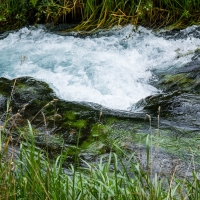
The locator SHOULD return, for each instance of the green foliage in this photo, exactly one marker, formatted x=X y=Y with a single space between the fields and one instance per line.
x=32 y=175
x=34 y=2
x=94 y=14
x=29 y=173
x=71 y=121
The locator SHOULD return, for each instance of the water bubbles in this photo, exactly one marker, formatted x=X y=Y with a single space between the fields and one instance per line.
x=112 y=68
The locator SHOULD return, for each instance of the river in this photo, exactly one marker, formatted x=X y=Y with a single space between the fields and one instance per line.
x=113 y=68
x=106 y=83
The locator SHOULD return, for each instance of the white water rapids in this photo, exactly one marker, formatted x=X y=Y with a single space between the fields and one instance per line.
x=112 y=68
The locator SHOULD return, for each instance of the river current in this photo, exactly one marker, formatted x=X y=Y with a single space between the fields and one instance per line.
x=113 y=68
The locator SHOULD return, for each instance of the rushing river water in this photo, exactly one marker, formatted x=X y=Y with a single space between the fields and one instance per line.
x=112 y=68
x=115 y=68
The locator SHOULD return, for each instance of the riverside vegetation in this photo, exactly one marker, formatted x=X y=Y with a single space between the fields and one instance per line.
x=92 y=14
x=36 y=163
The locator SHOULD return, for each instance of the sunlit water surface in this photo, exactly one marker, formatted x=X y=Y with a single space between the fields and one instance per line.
x=112 y=68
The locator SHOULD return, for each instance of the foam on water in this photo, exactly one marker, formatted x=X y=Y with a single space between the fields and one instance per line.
x=112 y=68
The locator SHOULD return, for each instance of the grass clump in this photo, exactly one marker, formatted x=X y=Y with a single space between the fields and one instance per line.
x=93 y=14
x=30 y=174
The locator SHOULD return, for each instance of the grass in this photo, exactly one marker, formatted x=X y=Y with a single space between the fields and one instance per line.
x=94 y=14
x=32 y=175
x=28 y=173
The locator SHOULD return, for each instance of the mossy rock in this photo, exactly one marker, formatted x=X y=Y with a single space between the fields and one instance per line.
x=185 y=78
x=178 y=82
x=35 y=101
x=78 y=130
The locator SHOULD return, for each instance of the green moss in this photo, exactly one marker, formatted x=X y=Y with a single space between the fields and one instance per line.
x=80 y=124
x=72 y=151
x=98 y=133
x=21 y=86
x=111 y=121
x=176 y=79
x=69 y=115
x=102 y=137
x=77 y=124
x=98 y=130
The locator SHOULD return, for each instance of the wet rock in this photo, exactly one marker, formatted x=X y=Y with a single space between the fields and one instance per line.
x=180 y=99
x=79 y=129
x=177 y=110
x=193 y=31
x=3 y=102
x=164 y=164
x=51 y=117
x=3 y=34
x=35 y=101
x=185 y=79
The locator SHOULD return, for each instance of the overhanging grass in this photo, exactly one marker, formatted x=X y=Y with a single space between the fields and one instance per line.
x=92 y=14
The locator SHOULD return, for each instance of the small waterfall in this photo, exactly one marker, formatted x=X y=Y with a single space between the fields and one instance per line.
x=113 y=68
